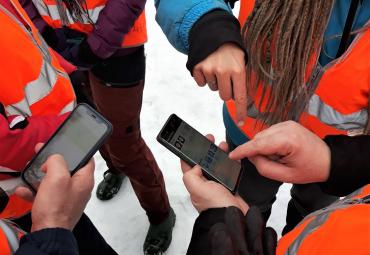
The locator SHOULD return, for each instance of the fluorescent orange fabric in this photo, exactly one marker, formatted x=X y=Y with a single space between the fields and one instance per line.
x=246 y=7
x=8 y=231
x=4 y=245
x=137 y=35
x=16 y=208
x=32 y=81
x=14 y=60
x=342 y=87
x=345 y=231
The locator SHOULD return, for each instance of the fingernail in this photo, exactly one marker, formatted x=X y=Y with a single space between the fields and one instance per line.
x=240 y=123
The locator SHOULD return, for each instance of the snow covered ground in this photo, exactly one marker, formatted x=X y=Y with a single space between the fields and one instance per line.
x=169 y=89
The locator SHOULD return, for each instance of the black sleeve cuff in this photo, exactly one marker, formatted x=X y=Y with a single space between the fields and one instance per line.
x=350 y=164
x=51 y=241
x=209 y=33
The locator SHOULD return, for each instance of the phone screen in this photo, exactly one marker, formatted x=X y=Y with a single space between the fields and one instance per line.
x=197 y=149
x=75 y=140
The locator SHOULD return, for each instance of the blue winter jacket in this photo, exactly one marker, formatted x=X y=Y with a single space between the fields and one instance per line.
x=176 y=18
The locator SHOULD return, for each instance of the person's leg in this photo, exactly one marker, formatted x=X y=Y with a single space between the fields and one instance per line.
x=306 y=198
x=130 y=154
x=112 y=177
x=128 y=150
x=255 y=189
x=89 y=240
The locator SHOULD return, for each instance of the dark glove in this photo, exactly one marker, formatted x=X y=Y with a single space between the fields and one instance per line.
x=81 y=55
x=55 y=38
x=260 y=240
x=231 y=2
x=226 y=231
x=80 y=83
x=249 y=234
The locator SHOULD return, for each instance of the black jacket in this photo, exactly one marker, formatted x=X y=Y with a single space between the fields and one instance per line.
x=53 y=241
x=226 y=231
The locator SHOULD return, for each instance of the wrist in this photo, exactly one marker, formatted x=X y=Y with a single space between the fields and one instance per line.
x=326 y=164
x=211 y=32
x=51 y=224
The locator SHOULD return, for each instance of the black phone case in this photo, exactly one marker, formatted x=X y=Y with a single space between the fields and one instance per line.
x=188 y=161
x=91 y=152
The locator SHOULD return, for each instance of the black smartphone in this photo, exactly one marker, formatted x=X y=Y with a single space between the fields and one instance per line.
x=77 y=140
x=195 y=149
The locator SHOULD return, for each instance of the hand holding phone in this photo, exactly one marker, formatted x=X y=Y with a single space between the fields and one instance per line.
x=77 y=140
x=195 y=149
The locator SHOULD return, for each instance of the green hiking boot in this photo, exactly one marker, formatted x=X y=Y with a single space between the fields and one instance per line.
x=159 y=237
x=110 y=185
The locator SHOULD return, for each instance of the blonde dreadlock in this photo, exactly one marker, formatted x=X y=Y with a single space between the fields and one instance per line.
x=282 y=37
x=77 y=9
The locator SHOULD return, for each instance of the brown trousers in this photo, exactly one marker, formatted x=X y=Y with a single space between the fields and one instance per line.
x=126 y=151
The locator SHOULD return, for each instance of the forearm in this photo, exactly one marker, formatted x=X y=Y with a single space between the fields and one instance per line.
x=114 y=22
x=55 y=241
x=350 y=164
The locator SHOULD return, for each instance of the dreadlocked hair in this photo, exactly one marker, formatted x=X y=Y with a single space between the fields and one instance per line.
x=75 y=9
x=282 y=37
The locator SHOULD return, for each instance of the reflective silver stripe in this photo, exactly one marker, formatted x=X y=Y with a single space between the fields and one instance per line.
x=311 y=227
x=42 y=86
x=20 y=108
x=331 y=117
x=69 y=107
x=35 y=90
x=328 y=115
x=52 y=12
x=320 y=217
x=11 y=235
x=11 y=184
x=15 y=121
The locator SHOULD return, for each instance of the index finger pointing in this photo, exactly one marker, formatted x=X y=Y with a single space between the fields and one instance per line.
x=240 y=96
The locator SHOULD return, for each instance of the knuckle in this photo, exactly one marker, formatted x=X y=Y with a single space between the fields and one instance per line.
x=257 y=144
x=221 y=71
x=238 y=70
x=207 y=70
x=225 y=96
x=240 y=98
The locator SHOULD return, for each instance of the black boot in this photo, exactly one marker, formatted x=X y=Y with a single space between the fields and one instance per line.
x=159 y=237
x=110 y=185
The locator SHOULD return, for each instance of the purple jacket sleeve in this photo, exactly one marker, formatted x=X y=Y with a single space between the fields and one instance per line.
x=115 y=20
x=34 y=15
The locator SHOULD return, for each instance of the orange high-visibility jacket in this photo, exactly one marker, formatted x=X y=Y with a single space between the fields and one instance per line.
x=32 y=84
x=340 y=102
x=9 y=237
x=49 y=11
x=341 y=228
